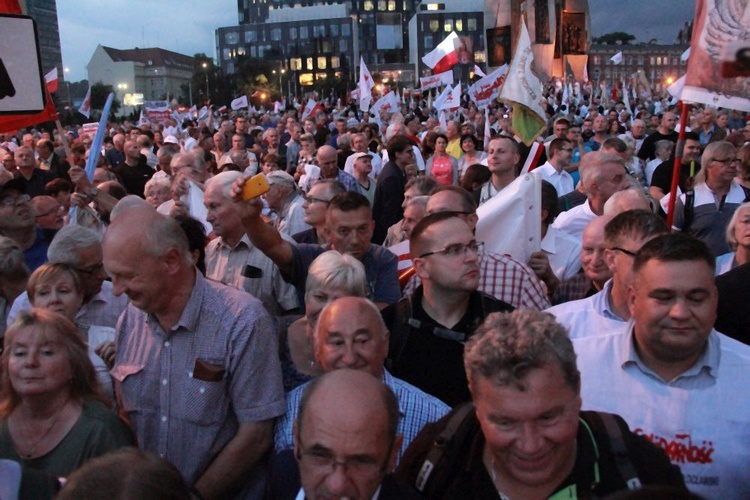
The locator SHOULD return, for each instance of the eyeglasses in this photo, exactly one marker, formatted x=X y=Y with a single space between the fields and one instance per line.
x=727 y=160
x=626 y=252
x=458 y=249
x=91 y=270
x=312 y=199
x=323 y=462
x=569 y=150
x=14 y=201
x=58 y=210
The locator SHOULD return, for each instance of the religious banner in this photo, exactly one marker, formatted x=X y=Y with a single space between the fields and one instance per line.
x=498 y=46
x=720 y=34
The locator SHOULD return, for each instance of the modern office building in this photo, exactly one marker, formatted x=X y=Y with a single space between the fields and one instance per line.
x=44 y=13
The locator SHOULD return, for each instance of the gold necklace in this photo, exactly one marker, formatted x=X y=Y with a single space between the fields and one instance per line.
x=31 y=454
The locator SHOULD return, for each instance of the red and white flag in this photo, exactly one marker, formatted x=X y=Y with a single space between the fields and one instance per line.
x=311 y=108
x=365 y=86
x=478 y=71
x=85 y=108
x=452 y=100
x=51 y=80
x=444 y=56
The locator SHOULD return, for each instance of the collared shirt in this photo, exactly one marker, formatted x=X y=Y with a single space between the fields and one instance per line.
x=506 y=279
x=186 y=391
x=701 y=418
x=291 y=219
x=226 y=265
x=563 y=252
x=562 y=180
x=590 y=316
x=416 y=408
x=103 y=309
x=575 y=220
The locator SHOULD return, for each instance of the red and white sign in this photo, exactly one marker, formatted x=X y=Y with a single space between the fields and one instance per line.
x=157 y=111
x=435 y=81
x=488 y=88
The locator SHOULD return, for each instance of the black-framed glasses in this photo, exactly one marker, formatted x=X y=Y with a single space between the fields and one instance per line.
x=457 y=249
x=322 y=461
x=626 y=252
x=312 y=199
x=91 y=270
x=13 y=201
x=727 y=160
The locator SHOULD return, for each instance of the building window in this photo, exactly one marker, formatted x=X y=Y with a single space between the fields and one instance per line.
x=479 y=57
x=448 y=26
x=250 y=36
x=392 y=5
x=306 y=79
x=319 y=30
x=596 y=59
x=630 y=60
x=382 y=5
x=334 y=30
x=322 y=62
x=335 y=62
x=292 y=33
x=295 y=64
x=226 y=54
x=326 y=46
x=459 y=25
x=303 y=32
x=253 y=51
x=471 y=24
x=368 y=5
x=653 y=61
x=346 y=30
x=231 y=38
x=240 y=51
x=434 y=25
x=309 y=63
x=343 y=45
x=427 y=42
x=276 y=34
x=321 y=76
x=640 y=60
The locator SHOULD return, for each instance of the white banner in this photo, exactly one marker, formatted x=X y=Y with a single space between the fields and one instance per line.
x=487 y=89
x=510 y=222
x=157 y=111
x=435 y=81
x=387 y=103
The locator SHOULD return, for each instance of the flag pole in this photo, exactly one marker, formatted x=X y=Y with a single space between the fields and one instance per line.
x=677 y=161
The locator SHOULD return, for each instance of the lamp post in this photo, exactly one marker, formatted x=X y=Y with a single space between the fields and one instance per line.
x=208 y=93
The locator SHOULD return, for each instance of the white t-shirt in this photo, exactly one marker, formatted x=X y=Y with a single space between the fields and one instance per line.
x=701 y=418
x=575 y=220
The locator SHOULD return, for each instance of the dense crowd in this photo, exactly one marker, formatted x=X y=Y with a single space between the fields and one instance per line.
x=346 y=335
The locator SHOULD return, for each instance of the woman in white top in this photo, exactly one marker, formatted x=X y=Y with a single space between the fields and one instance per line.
x=738 y=237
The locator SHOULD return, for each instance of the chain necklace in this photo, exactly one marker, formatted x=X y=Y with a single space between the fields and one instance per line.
x=32 y=452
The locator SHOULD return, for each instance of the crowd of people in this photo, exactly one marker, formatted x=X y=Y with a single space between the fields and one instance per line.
x=163 y=335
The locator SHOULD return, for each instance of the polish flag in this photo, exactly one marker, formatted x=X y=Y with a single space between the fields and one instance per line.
x=51 y=80
x=311 y=109
x=444 y=56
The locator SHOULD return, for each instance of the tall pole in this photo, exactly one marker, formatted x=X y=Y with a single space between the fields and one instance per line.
x=208 y=93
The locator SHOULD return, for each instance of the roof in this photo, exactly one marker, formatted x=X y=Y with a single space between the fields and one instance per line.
x=151 y=57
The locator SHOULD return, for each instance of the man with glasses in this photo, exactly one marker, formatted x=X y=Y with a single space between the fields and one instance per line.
x=81 y=248
x=50 y=215
x=350 y=335
x=554 y=171
x=429 y=328
x=607 y=310
x=18 y=222
x=315 y=207
x=346 y=440
x=705 y=210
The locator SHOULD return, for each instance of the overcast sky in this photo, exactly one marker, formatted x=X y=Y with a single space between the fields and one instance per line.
x=188 y=26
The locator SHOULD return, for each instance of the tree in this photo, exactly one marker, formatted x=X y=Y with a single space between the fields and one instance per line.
x=99 y=94
x=615 y=38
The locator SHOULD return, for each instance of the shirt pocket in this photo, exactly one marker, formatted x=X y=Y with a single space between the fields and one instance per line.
x=204 y=402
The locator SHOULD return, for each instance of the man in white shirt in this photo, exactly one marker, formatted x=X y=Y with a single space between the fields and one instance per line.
x=670 y=375
x=608 y=310
x=554 y=171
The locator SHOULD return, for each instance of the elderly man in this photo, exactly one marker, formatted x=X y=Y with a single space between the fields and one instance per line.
x=453 y=134
x=359 y=145
x=362 y=171
x=348 y=418
x=502 y=160
x=315 y=206
x=661 y=179
x=32 y=179
x=350 y=334
x=50 y=161
x=81 y=248
x=350 y=226
x=50 y=215
x=115 y=156
x=602 y=175
x=284 y=199
x=134 y=171
x=705 y=210
x=435 y=321
x=231 y=258
x=329 y=169
x=673 y=378
x=608 y=311
x=196 y=370
x=525 y=436
x=239 y=150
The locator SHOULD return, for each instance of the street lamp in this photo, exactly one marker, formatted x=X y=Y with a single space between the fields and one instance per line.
x=280 y=72
x=208 y=94
x=67 y=84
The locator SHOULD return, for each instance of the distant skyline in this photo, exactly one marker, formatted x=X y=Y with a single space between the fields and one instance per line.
x=188 y=26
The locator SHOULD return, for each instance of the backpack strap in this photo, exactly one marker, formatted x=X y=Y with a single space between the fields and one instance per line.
x=400 y=332
x=688 y=209
x=625 y=467
x=435 y=460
